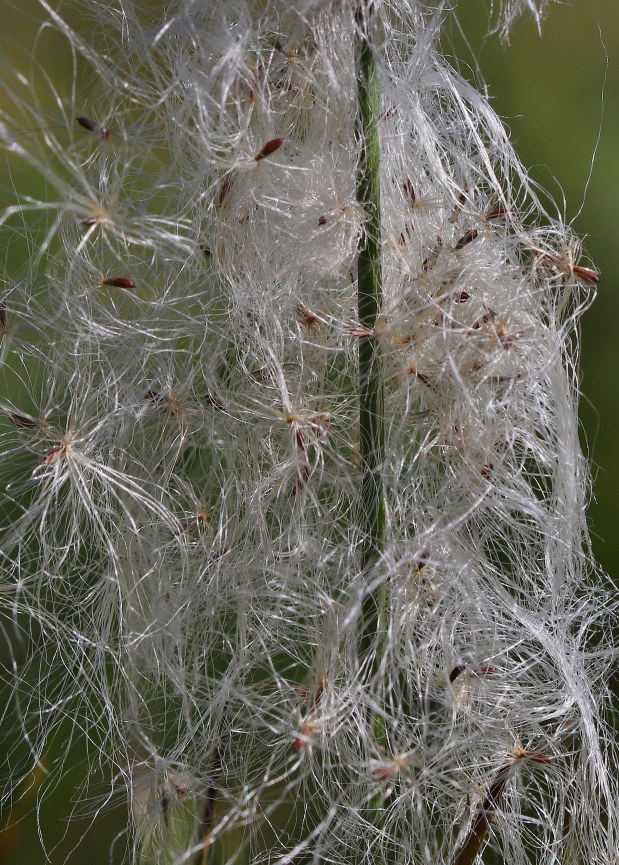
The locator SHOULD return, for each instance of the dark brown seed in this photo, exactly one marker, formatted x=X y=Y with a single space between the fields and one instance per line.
x=536 y=757
x=52 y=456
x=305 y=317
x=496 y=788
x=3 y=316
x=486 y=471
x=457 y=671
x=456 y=211
x=481 y=824
x=224 y=190
x=318 y=694
x=506 y=340
x=367 y=332
x=431 y=260
x=322 y=220
x=587 y=274
x=22 y=421
x=422 y=558
x=191 y=525
x=388 y=112
x=489 y=316
x=409 y=189
x=496 y=214
x=303 y=477
x=211 y=399
x=424 y=379
x=477 y=674
x=486 y=670
x=206 y=822
x=118 y=282
x=462 y=297
x=467 y=238
x=165 y=807
x=406 y=233
x=269 y=148
x=90 y=125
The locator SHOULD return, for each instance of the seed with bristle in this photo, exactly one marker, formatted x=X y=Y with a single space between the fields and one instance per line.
x=496 y=214
x=461 y=297
x=87 y=123
x=54 y=455
x=224 y=190
x=92 y=126
x=355 y=330
x=118 y=282
x=481 y=824
x=305 y=317
x=477 y=673
x=430 y=260
x=405 y=234
x=22 y=420
x=422 y=377
x=467 y=238
x=409 y=191
x=587 y=274
x=394 y=766
x=458 y=207
x=269 y=148
x=201 y=519
x=422 y=558
x=211 y=399
x=304 y=736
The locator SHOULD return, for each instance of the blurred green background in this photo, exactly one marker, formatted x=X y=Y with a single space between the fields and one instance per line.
x=549 y=91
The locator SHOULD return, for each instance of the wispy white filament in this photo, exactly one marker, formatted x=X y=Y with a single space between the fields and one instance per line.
x=179 y=527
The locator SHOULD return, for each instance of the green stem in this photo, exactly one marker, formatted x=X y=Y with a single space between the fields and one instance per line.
x=371 y=388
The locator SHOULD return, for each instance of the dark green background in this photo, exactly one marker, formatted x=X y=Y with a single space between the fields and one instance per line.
x=548 y=89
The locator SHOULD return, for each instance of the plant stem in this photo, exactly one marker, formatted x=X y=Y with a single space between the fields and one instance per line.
x=371 y=389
